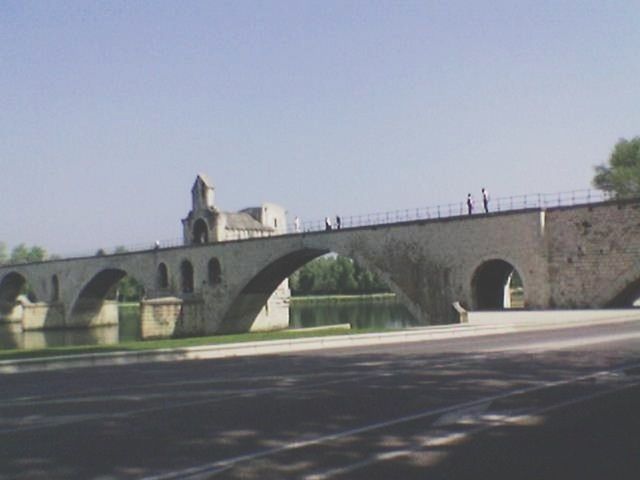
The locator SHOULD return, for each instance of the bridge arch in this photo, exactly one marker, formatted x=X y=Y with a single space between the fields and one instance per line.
x=255 y=292
x=11 y=285
x=101 y=283
x=100 y=287
x=491 y=284
x=626 y=296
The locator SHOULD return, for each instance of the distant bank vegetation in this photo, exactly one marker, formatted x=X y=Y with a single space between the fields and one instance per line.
x=334 y=275
x=23 y=254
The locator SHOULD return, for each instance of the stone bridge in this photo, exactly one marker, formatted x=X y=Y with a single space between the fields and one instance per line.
x=585 y=256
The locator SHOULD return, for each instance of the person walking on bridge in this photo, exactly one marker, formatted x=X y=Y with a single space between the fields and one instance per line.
x=485 y=200
x=469 y=204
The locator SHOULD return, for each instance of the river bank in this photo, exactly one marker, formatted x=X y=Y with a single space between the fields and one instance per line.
x=364 y=313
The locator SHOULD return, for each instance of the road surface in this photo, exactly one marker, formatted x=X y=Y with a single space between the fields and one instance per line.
x=546 y=404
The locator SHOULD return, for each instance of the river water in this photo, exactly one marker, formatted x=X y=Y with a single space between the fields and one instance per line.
x=365 y=312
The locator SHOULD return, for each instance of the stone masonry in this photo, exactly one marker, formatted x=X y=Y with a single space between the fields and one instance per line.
x=584 y=256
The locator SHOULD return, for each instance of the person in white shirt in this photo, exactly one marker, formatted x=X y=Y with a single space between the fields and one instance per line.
x=485 y=200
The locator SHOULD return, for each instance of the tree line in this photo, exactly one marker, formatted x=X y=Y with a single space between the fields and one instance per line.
x=334 y=275
x=23 y=254
x=621 y=176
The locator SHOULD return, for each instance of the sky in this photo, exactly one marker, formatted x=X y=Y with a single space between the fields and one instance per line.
x=109 y=110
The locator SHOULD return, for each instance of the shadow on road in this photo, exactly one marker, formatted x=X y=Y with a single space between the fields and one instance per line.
x=323 y=416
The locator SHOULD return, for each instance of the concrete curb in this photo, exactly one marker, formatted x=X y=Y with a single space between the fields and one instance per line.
x=299 y=345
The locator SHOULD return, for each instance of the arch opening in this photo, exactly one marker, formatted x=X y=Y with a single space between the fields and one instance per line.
x=200 y=232
x=12 y=286
x=98 y=301
x=214 y=271
x=110 y=284
x=102 y=285
x=337 y=289
x=497 y=285
x=162 y=276
x=253 y=297
x=296 y=269
x=186 y=276
x=629 y=297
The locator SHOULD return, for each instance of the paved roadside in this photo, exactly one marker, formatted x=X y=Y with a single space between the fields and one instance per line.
x=500 y=325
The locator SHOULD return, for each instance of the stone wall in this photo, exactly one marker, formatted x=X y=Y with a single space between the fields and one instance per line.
x=42 y=316
x=594 y=253
x=93 y=313
x=431 y=265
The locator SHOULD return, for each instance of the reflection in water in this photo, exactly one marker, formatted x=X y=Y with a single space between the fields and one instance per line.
x=376 y=312
x=14 y=337
x=10 y=335
x=128 y=329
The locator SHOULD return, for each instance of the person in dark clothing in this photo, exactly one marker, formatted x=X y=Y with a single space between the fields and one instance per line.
x=469 y=204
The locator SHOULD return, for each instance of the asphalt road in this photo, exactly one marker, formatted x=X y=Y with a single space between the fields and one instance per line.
x=547 y=404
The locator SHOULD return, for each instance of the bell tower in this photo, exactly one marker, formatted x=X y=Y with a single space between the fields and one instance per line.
x=202 y=194
x=200 y=226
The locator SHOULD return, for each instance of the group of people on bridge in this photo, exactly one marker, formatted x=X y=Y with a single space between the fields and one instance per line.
x=485 y=201
x=328 y=226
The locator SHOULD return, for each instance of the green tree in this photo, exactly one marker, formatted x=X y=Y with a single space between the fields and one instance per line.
x=3 y=253
x=621 y=177
x=22 y=254
x=345 y=281
x=19 y=253
x=334 y=275
x=129 y=290
x=37 y=254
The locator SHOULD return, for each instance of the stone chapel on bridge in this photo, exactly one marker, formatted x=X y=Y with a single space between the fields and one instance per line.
x=207 y=223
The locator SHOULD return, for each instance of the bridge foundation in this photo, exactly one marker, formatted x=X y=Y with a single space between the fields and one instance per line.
x=171 y=317
x=93 y=313
x=42 y=316
x=26 y=316
x=11 y=313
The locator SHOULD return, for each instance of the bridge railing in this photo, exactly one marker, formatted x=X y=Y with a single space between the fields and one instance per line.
x=499 y=204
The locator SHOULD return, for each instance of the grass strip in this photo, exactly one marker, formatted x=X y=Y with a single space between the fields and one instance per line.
x=342 y=298
x=14 y=354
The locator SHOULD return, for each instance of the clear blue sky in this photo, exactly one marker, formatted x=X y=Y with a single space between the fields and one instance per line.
x=108 y=110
